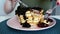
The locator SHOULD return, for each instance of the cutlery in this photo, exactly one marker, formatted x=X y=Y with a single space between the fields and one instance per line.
x=20 y=2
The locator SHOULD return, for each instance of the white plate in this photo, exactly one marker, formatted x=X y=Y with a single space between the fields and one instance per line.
x=14 y=23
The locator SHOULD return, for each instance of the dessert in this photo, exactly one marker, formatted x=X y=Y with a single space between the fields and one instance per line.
x=29 y=17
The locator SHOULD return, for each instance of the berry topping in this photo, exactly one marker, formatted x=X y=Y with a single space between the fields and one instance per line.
x=42 y=25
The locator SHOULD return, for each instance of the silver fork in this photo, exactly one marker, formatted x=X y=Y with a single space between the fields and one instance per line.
x=48 y=12
x=19 y=1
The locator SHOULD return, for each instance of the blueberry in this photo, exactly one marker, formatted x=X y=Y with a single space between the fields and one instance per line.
x=49 y=20
x=21 y=23
x=42 y=25
x=26 y=25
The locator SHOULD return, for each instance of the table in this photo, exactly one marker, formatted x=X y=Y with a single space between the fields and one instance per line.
x=4 y=29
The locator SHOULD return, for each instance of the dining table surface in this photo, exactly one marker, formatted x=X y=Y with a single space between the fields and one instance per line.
x=4 y=29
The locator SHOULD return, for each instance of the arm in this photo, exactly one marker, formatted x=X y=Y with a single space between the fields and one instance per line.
x=9 y=6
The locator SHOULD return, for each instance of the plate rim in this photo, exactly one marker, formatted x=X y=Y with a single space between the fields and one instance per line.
x=34 y=29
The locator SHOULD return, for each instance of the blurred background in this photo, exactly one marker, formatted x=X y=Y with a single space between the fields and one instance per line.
x=45 y=4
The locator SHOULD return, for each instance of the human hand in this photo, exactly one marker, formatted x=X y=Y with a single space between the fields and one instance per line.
x=9 y=6
x=58 y=2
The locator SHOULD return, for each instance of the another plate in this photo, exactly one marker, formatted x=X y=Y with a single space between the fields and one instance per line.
x=14 y=23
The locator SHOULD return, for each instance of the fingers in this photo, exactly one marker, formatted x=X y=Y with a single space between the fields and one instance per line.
x=58 y=2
